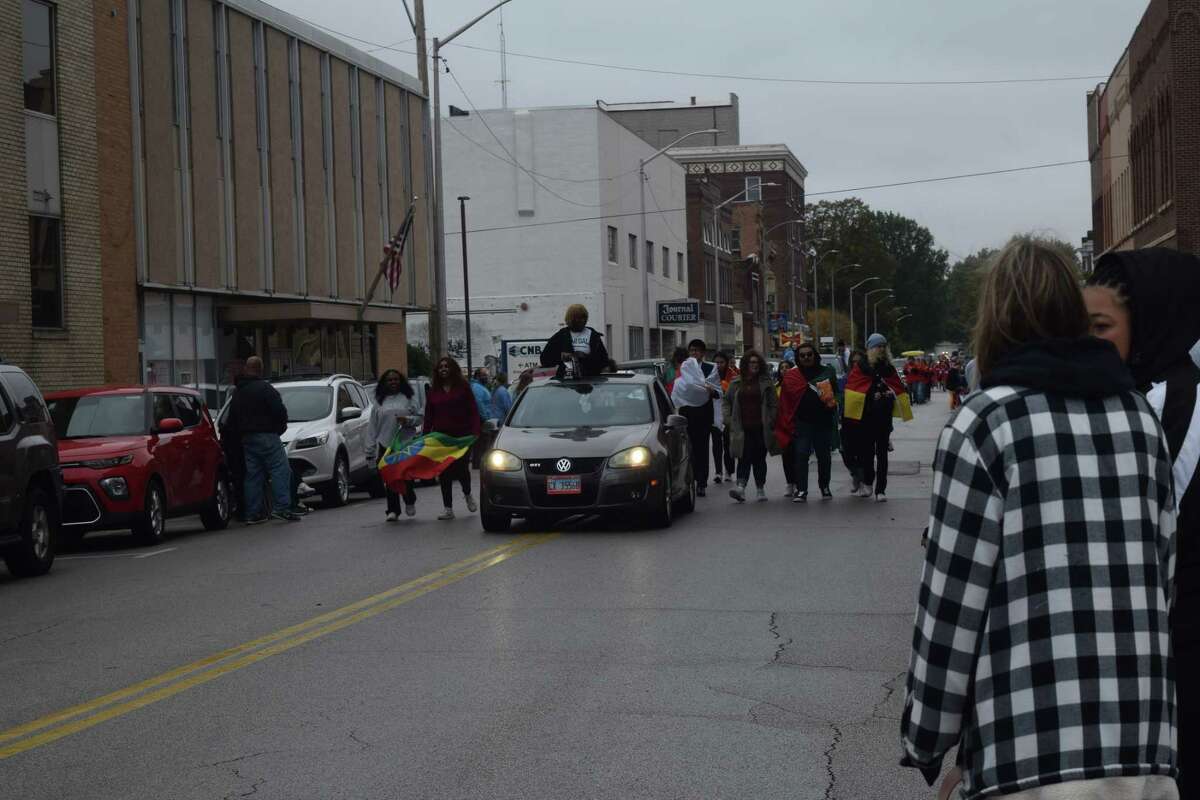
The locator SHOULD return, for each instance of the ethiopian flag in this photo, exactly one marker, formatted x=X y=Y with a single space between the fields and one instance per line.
x=858 y=385
x=421 y=458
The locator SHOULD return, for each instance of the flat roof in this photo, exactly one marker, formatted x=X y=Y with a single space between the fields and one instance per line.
x=739 y=152
x=654 y=105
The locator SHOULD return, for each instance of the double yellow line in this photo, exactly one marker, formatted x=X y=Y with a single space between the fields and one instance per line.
x=59 y=724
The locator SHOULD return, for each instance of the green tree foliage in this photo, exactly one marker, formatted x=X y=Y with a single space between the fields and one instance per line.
x=962 y=294
x=919 y=277
x=419 y=362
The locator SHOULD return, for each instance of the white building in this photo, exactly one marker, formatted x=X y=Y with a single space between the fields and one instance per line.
x=564 y=227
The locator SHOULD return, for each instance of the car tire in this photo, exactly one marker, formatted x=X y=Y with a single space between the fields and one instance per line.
x=665 y=514
x=150 y=527
x=217 y=512
x=688 y=503
x=336 y=493
x=39 y=532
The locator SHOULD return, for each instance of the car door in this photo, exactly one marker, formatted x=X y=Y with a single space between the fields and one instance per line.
x=676 y=438
x=9 y=490
x=197 y=476
x=368 y=446
x=349 y=430
x=169 y=450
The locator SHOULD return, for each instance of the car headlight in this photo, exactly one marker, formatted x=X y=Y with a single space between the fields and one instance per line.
x=309 y=442
x=105 y=463
x=501 y=461
x=633 y=457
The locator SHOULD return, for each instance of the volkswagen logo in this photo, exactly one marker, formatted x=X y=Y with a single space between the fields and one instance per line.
x=563 y=465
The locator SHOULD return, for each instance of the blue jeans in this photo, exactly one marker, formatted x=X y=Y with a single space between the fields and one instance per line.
x=811 y=439
x=265 y=457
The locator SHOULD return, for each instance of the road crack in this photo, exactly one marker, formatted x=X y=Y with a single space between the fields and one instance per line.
x=353 y=734
x=43 y=629
x=773 y=627
x=890 y=686
x=837 y=739
x=240 y=758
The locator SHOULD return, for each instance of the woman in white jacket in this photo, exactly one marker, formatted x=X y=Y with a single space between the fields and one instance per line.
x=397 y=406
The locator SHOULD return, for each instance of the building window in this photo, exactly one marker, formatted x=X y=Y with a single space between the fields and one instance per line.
x=613 y=256
x=753 y=189
x=37 y=38
x=666 y=262
x=679 y=264
x=636 y=343
x=649 y=257
x=633 y=251
x=709 y=279
x=45 y=271
x=735 y=241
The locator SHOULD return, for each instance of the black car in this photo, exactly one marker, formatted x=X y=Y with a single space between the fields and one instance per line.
x=30 y=481
x=589 y=446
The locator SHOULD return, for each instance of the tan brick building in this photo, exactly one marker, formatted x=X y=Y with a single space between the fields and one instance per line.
x=50 y=277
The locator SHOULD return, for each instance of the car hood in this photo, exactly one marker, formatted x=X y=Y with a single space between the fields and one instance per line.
x=95 y=448
x=299 y=430
x=528 y=443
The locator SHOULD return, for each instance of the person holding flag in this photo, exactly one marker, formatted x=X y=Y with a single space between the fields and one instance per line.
x=874 y=395
x=804 y=425
x=395 y=420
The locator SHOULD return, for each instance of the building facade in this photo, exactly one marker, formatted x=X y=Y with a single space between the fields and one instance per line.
x=661 y=123
x=1144 y=136
x=554 y=219
x=51 y=316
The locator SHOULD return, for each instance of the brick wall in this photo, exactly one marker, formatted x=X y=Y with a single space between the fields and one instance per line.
x=72 y=356
x=392 y=345
x=1185 y=58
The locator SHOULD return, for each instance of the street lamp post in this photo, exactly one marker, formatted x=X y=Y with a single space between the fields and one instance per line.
x=833 y=301
x=792 y=280
x=816 y=297
x=462 y=212
x=866 y=309
x=646 y=267
x=717 y=255
x=437 y=333
x=852 y=288
x=875 y=308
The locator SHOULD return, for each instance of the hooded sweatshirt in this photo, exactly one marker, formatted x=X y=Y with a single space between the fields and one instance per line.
x=1042 y=616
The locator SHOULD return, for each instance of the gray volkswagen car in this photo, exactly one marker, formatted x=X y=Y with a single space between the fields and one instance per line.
x=596 y=446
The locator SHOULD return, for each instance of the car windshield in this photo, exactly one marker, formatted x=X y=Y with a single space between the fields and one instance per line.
x=306 y=403
x=99 y=415
x=557 y=405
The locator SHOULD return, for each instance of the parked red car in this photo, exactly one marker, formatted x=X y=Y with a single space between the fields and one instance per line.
x=132 y=456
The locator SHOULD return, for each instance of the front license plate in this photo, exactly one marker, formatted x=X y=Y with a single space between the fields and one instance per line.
x=571 y=484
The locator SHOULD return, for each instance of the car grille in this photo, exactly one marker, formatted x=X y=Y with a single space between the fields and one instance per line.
x=79 y=507
x=579 y=466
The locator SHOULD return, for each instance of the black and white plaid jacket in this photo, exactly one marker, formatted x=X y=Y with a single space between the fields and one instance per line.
x=1041 y=644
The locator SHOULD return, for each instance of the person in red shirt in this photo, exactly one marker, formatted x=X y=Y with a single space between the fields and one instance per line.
x=450 y=409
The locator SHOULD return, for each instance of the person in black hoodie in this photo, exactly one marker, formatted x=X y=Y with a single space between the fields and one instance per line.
x=1145 y=302
x=577 y=342
x=258 y=415
x=1041 y=645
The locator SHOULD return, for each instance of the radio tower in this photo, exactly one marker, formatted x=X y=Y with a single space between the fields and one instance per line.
x=503 y=64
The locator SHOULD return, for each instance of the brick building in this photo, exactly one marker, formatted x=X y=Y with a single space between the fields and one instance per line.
x=1144 y=136
x=50 y=280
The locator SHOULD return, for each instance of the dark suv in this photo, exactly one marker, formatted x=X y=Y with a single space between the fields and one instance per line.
x=30 y=481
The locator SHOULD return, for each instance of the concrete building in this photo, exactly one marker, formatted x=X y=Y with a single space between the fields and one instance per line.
x=50 y=281
x=1144 y=136
x=553 y=219
x=662 y=122
x=763 y=275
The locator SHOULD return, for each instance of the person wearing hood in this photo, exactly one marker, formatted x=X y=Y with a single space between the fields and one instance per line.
x=1145 y=302
x=1041 y=642
x=576 y=342
x=693 y=392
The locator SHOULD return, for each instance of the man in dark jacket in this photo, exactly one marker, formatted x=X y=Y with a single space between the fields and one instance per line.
x=576 y=343
x=258 y=415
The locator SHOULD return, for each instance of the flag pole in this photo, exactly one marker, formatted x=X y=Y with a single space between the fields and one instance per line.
x=362 y=310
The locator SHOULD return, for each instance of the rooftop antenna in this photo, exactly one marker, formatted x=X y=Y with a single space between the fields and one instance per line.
x=503 y=64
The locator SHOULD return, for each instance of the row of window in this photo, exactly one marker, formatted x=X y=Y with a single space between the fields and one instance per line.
x=614 y=256
x=662 y=342
x=45 y=230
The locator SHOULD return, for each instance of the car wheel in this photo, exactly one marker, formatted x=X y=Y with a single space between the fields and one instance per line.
x=665 y=515
x=216 y=514
x=151 y=524
x=336 y=493
x=39 y=529
x=687 y=504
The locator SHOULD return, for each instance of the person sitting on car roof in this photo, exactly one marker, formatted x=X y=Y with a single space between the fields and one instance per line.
x=576 y=342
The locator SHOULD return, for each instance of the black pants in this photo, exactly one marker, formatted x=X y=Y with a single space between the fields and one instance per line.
x=873 y=454
x=789 y=467
x=810 y=439
x=720 y=450
x=700 y=420
x=393 y=498
x=458 y=471
x=851 y=451
x=754 y=457
x=1187 y=672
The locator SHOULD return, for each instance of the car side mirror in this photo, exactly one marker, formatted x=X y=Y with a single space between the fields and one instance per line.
x=677 y=421
x=169 y=425
x=490 y=426
x=349 y=413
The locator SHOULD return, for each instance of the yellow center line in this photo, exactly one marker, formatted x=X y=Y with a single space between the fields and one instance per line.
x=280 y=641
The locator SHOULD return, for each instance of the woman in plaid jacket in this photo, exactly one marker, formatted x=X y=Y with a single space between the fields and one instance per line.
x=1041 y=644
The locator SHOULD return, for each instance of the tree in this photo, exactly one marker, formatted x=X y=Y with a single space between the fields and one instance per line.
x=920 y=275
x=419 y=362
x=962 y=294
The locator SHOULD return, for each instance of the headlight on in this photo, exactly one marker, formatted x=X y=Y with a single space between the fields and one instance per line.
x=105 y=463
x=309 y=442
x=500 y=461
x=633 y=457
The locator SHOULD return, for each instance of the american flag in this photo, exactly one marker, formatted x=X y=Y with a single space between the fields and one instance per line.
x=393 y=251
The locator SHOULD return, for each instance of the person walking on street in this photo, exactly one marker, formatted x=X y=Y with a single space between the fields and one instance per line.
x=749 y=407
x=784 y=451
x=693 y=393
x=502 y=399
x=576 y=346
x=1040 y=648
x=258 y=415
x=678 y=356
x=723 y=462
x=487 y=413
x=450 y=409
x=881 y=390
x=807 y=414
x=1144 y=302
x=852 y=449
x=397 y=408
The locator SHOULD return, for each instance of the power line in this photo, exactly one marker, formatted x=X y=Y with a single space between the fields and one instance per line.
x=666 y=222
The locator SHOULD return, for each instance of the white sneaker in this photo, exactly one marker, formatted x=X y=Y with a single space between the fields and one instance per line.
x=472 y=506
x=410 y=511
x=790 y=491
x=881 y=498
x=718 y=478
x=392 y=516
x=864 y=491
x=447 y=514
x=738 y=493
x=762 y=494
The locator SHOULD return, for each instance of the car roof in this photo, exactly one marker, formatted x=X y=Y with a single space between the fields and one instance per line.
x=609 y=377
x=119 y=389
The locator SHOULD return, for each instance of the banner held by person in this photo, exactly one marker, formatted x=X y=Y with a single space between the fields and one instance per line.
x=423 y=457
x=858 y=385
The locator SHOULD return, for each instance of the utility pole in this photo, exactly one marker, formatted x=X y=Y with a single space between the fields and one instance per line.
x=462 y=212
x=503 y=64
x=418 y=21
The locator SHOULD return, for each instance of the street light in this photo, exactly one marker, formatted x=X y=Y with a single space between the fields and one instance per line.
x=646 y=267
x=792 y=279
x=437 y=335
x=717 y=255
x=852 y=288
x=833 y=301
x=875 y=308
x=866 y=308
x=816 y=297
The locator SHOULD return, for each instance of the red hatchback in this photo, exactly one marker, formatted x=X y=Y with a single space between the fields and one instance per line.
x=132 y=456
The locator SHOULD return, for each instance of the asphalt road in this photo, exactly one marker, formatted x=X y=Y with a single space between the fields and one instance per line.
x=749 y=651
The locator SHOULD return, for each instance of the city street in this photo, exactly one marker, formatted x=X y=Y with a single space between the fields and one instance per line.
x=748 y=651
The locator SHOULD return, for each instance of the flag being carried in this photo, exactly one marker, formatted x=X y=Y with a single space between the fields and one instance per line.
x=423 y=457
x=858 y=386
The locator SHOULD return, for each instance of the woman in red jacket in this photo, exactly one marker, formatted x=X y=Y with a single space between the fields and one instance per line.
x=450 y=409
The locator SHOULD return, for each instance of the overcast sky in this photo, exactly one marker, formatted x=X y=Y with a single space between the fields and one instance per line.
x=847 y=136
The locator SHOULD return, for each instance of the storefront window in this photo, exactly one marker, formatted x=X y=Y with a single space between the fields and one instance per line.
x=156 y=338
x=306 y=351
x=206 y=350
x=183 y=337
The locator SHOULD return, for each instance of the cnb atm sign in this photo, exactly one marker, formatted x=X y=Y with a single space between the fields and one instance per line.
x=682 y=313
x=521 y=354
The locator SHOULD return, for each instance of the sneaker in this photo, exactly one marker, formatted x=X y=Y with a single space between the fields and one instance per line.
x=447 y=514
x=801 y=497
x=855 y=487
x=790 y=491
x=880 y=497
x=287 y=515
x=718 y=478
x=700 y=491
x=891 y=447
x=410 y=511
x=863 y=491
x=256 y=520
x=472 y=506
x=738 y=493
x=762 y=494
x=392 y=516
x=300 y=509
x=825 y=493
